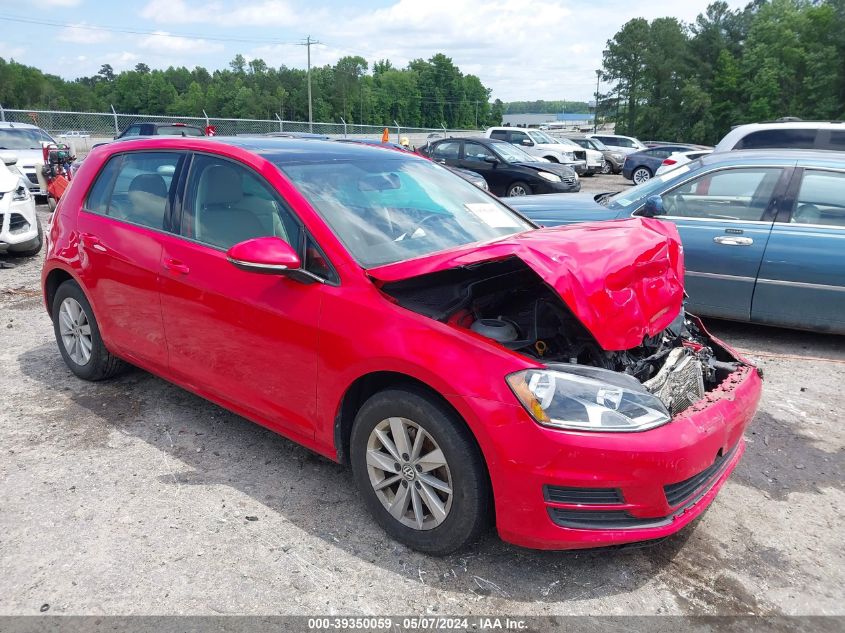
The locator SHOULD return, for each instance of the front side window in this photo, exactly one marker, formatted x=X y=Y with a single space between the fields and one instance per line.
x=447 y=150
x=386 y=209
x=518 y=137
x=621 y=141
x=477 y=152
x=133 y=130
x=136 y=188
x=821 y=199
x=731 y=194
x=779 y=139
x=227 y=203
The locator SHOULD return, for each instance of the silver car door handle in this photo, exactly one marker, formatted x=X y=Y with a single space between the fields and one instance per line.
x=731 y=240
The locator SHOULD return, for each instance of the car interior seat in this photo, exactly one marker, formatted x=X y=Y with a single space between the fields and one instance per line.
x=147 y=196
x=223 y=216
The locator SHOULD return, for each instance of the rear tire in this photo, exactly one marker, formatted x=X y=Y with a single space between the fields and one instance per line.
x=435 y=497
x=78 y=335
x=518 y=188
x=641 y=175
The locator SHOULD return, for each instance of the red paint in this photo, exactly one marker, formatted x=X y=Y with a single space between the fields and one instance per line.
x=284 y=353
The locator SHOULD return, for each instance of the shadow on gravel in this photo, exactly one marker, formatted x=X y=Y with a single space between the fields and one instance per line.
x=219 y=448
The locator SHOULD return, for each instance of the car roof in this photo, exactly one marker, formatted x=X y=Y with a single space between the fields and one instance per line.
x=775 y=157
x=293 y=150
x=11 y=124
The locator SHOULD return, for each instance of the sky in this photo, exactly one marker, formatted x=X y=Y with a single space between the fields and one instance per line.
x=521 y=49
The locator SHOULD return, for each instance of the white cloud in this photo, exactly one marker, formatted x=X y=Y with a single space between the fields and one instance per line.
x=79 y=33
x=264 y=13
x=163 y=41
x=11 y=52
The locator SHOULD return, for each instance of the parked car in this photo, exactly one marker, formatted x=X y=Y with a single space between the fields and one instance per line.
x=676 y=159
x=466 y=174
x=762 y=232
x=161 y=129
x=612 y=159
x=20 y=229
x=375 y=309
x=828 y=135
x=594 y=158
x=72 y=134
x=26 y=141
x=640 y=166
x=537 y=143
x=659 y=143
x=507 y=169
x=624 y=144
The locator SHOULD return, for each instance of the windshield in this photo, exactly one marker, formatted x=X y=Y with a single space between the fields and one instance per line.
x=637 y=195
x=596 y=144
x=541 y=137
x=513 y=154
x=566 y=141
x=388 y=209
x=23 y=138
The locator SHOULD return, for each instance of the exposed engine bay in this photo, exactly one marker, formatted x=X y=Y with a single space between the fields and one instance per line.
x=508 y=302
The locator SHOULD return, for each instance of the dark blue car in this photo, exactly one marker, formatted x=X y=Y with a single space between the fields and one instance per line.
x=763 y=232
x=642 y=165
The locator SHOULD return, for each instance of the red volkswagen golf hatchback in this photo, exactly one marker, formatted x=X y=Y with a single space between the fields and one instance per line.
x=383 y=312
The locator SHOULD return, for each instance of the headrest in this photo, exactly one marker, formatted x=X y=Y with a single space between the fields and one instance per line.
x=220 y=184
x=149 y=183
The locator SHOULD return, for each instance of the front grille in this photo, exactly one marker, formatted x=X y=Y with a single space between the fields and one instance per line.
x=580 y=154
x=33 y=178
x=569 y=180
x=559 y=494
x=602 y=519
x=17 y=223
x=683 y=490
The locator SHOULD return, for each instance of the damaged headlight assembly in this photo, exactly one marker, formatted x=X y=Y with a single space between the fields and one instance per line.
x=582 y=398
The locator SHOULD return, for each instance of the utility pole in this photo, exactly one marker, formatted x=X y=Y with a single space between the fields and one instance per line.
x=308 y=43
x=476 y=115
x=596 y=109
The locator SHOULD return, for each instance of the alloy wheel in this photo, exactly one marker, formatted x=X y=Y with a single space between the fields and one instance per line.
x=75 y=331
x=518 y=190
x=606 y=168
x=640 y=175
x=409 y=473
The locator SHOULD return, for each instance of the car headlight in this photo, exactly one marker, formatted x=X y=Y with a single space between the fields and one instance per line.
x=587 y=399
x=21 y=193
x=568 y=155
x=548 y=176
x=483 y=184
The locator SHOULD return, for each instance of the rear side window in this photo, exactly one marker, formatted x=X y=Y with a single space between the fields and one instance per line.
x=447 y=150
x=779 y=139
x=836 y=142
x=136 y=188
x=179 y=130
x=821 y=199
x=499 y=134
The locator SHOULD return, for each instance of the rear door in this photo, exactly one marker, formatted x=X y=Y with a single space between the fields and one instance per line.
x=447 y=152
x=724 y=218
x=124 y=220
x=802 y=277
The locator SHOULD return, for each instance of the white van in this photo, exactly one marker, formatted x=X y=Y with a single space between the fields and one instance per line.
x=785 y=135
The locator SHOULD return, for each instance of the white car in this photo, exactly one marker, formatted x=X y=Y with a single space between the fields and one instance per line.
x=20 y=229
x=595 y=159
x=676 y=159
x=785 y=135
x=540 y=144
x=617 y=143
x=26 y=141
x=71 y=134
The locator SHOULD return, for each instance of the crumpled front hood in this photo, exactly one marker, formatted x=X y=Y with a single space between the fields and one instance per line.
x=622 y=279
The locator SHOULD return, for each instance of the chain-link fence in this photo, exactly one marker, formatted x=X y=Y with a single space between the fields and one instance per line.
x=84 y=129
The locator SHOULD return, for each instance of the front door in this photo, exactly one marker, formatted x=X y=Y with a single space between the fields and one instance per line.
x=802 y=278
x=724 y=218
x=124 y=221
x=484 y=162
x=241 y=338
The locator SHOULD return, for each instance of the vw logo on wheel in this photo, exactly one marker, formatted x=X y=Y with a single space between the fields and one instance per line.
x=408 y=472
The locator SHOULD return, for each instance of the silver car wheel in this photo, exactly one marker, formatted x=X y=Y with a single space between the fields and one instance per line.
x=409 y=473
x=606 y=167
x=75 y=331
x=518 y=190
x=640 y=175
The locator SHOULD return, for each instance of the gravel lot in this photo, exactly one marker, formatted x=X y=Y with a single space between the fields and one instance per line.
x=133 y=496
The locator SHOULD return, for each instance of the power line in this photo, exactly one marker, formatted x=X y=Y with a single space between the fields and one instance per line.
x=114 y=29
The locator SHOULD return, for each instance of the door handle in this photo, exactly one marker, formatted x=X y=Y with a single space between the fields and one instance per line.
x=174 y=265
x=93 y=241
x=732 y=240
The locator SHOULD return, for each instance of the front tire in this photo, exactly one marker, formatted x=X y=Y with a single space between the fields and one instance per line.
x=419 y=471
x=606 y=168
x=78 y=335
x=518 y=188
x=641 y=175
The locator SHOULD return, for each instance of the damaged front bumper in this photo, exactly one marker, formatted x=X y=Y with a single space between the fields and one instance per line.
x=565 y=489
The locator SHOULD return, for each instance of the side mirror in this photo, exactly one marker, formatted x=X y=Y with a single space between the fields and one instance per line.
x=267 y=255
x=527 y=142
x=8 y=158
x=653 y=207
x=491 y=159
